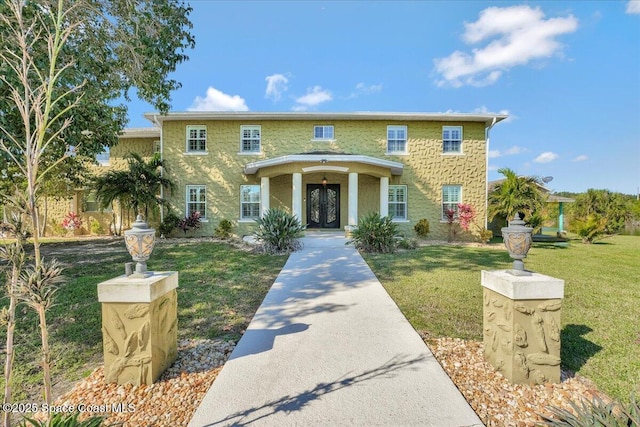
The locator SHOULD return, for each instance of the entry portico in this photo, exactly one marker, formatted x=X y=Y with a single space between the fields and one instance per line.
x=324 y=174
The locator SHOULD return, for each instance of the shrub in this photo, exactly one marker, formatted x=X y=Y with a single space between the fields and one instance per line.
x=95 y=226
x=169 y=223
x=590 y=228
x=422 y=228
x=407 y=243
x=223 y=230
x=72 y=221
x=375 y=234
x=278 y=231
x=595 y=413
x=59 y=419
x=191 y=222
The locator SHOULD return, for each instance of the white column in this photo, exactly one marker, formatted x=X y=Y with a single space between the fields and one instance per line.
x=353 y=198
x=297 y=195
x=264 y=194
x=384 y=196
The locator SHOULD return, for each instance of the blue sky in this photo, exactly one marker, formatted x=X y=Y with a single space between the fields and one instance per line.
x=567 y=73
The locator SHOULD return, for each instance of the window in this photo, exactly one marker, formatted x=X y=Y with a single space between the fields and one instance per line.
x=397 y=139
x=398 y=201
x=196 y=139
x=156 y=147
x=323 y=132
x=451 y=196
x=250 y=139
x=103 y=157
x=90 y=202
x=197 y=200
x=452 y=139
x=249 y=201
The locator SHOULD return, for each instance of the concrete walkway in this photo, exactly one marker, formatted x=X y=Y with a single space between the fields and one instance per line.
x=329 y=347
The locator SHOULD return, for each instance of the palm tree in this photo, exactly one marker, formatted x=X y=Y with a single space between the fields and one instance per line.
x=137 y=188
x=515 y=194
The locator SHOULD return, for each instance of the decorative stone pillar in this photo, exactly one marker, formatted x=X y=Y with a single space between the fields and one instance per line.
x=139 y=327
x=521 y=325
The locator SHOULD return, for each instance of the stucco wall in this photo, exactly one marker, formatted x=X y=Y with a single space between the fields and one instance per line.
x=426 y=168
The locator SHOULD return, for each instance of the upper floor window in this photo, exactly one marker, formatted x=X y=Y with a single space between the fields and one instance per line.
x=250 y=139
x=398 y=201
x=196 y=138
x=249 y=201
x=451 y=197
x=452 y=139
x=397 y=139
x=197 y=200
x=323 y=132
x=103 y=157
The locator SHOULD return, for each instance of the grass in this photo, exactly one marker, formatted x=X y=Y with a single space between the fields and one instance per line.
x=219 y=291
x=438 y=289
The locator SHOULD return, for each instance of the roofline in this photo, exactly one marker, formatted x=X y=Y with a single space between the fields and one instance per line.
x=150 y=132
x=487 y=119
x=253 y=167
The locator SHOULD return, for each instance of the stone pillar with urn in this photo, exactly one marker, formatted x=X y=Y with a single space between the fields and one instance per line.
x=139 y=315
x=521 y=315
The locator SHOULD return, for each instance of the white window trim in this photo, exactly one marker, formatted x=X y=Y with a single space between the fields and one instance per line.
x=406 y=141
x=105 y=153
x=203 y=215
x=333 y=131
x=406 y=204
x=453 y=153
x=206 y=145
x=250 y=153
x=241 y=218
x=442 y=218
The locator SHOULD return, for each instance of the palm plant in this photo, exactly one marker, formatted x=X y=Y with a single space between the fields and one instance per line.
x=137 y=188
x=516 y=194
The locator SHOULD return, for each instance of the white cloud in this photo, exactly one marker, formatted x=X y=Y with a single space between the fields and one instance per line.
x=511 y=151
x=516 y=35
x=315 y=95
x=581 y=158
x=276 y=84
x=633 y=7
x=218 y=101
x=484 y=110
x=546 y=157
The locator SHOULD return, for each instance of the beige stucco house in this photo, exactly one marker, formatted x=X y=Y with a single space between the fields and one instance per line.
x=329 y=169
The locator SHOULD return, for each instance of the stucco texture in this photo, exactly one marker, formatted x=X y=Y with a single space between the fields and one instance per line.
x=426 y=169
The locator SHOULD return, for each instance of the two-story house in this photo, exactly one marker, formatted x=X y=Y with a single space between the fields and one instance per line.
x=329 y=169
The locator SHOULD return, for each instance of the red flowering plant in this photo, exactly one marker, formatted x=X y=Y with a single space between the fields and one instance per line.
x=71 y=221
x=466 y=218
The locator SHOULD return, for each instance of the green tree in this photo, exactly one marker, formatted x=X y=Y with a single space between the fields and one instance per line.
x=515 y=194
x=61 y=65
x=137 y=188
x=114 y=48
x=613 y=208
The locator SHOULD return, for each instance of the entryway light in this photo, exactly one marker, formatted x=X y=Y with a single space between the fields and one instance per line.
x=324 y=180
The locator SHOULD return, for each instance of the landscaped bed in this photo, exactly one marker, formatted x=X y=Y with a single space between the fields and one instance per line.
x=437 y=287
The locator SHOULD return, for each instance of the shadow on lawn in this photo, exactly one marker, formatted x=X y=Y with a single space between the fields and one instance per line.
x=577 y=350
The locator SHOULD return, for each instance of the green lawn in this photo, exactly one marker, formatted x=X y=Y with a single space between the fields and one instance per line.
x=220 y=289
x=438 y=289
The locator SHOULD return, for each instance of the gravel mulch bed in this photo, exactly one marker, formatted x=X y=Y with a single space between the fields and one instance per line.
x=496 y=401
x=172 y=400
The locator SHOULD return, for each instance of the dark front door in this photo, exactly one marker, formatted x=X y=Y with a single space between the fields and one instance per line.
x=323 y=206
